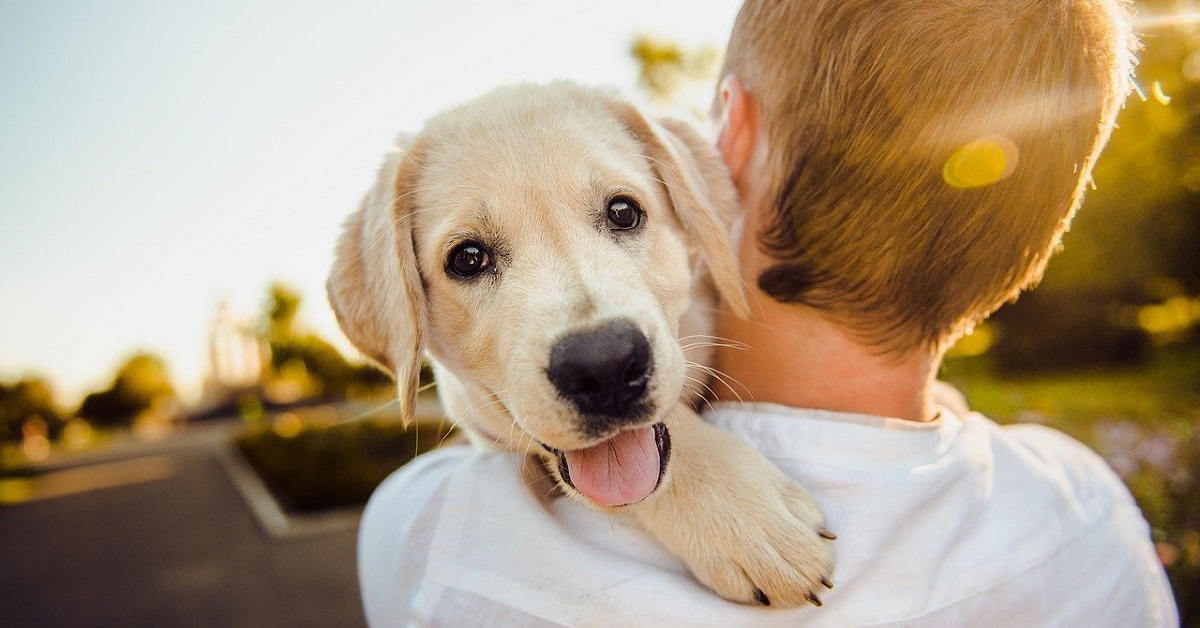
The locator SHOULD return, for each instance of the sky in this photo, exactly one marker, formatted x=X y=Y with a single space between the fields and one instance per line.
x=160 y=156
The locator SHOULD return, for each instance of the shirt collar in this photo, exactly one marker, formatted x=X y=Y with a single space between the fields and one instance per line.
x=838 y=438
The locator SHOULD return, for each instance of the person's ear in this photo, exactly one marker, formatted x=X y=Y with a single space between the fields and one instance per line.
x=737 y=132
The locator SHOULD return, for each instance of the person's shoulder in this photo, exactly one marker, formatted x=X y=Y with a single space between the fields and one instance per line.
x=422 y=476
x=1028 y=452
x=402 y=519
x=1051 y=446
x=1070 y=462
x=416 y=491
x=1045 y=448
x=411 y=494
x=1080 y=517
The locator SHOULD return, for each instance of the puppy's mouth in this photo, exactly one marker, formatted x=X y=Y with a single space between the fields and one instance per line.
x=623 y=469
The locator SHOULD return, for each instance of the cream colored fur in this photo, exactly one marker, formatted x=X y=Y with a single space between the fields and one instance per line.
x=529 y=169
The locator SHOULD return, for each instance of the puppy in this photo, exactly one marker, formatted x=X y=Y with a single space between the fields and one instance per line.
x=557 y=255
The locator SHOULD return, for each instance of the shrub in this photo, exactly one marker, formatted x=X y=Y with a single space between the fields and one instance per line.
x=314 y=467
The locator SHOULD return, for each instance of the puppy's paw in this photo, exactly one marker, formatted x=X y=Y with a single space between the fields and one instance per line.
x=777 y=552
x=800 y=570
x=742 y=527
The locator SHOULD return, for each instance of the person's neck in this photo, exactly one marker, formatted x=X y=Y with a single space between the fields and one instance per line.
x=795 y=357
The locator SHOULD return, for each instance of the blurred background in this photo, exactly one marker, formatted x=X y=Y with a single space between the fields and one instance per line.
x=187 y=437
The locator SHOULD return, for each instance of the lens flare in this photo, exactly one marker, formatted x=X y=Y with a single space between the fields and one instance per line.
x=1159 y=94
x=981 y=163
x=1152 y=21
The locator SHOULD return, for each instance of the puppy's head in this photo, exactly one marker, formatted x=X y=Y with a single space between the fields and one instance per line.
x=542 y=243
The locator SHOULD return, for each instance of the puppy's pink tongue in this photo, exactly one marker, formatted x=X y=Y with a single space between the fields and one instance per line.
x=621 y=470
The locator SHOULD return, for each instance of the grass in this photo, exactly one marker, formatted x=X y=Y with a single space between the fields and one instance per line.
x=1163 y=393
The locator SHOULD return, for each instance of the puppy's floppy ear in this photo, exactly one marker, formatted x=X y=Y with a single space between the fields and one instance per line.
x=701 y=192
x=374 y=286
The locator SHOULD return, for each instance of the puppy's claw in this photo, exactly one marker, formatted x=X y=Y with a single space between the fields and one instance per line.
x=813 y=599
x=826 y=534
x=827 y=583
x=761 y=597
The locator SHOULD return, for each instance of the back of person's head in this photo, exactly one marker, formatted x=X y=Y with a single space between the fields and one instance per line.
x=924 y=156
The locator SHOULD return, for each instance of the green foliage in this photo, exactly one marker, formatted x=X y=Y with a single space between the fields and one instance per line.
x=27 y=400
x=320 y=467
x=1142 y=222
x=140 y=383
x=666 y=68
x=1047 y=330
x=282 y=305
x=309 y=361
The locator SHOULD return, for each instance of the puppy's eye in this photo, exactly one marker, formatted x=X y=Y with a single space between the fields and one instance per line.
x=623 y=214
x=468 y=260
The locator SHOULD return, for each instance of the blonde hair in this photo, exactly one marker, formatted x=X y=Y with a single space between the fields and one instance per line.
x=925 y=156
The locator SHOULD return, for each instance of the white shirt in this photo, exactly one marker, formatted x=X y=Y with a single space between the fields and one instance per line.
x=958 y=522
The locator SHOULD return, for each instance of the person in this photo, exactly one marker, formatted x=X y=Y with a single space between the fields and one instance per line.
x=906 y=167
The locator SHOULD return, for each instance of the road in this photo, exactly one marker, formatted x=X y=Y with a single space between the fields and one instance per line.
x=164 y=540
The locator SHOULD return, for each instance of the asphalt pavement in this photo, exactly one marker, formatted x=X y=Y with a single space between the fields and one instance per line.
x=162 y=538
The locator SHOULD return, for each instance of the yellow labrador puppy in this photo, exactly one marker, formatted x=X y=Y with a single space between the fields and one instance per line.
x=553 y=250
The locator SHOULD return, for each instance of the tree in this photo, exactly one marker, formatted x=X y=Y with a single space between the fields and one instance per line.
x=140 y=384
x=667 y=71
x=26 y=400
x=283 y=303
x=308 y=360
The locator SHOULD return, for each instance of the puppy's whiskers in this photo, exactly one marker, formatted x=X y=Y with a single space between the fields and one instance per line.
x=717 y=341
x=476 y=411
x=695 y=389
x=369 y=412
x=547 y=478
x=700 y=345
x=474 y=408
x=726 y=380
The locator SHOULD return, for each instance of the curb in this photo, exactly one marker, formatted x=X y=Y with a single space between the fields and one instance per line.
x=272 y=519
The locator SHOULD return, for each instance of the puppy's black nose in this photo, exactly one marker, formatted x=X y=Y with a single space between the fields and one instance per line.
x=603 y=372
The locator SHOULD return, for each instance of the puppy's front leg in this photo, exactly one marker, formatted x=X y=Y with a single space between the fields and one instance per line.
x=742 y=527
